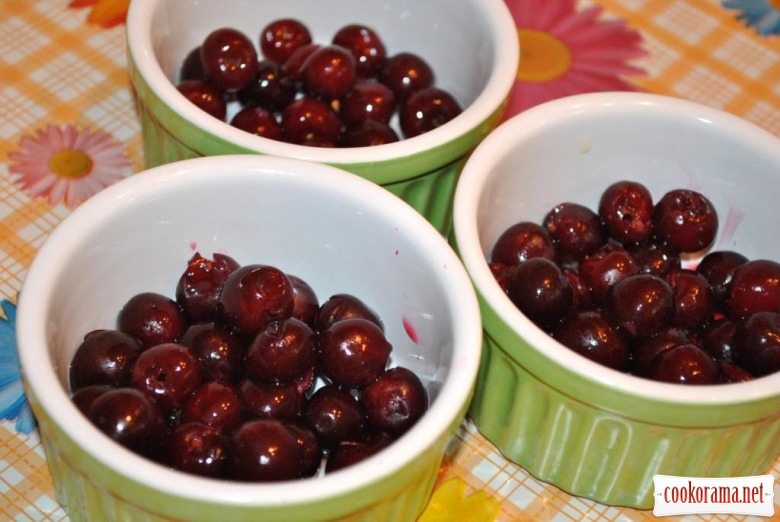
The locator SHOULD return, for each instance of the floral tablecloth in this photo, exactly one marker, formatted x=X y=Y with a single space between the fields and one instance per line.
x=68 y=128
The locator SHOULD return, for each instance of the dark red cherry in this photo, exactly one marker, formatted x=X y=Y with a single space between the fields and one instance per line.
x=541 y=291
x=590 y=334
x=718 y=339
x=425 y=110
x=605 y=267
x=653 y=258
x=270 y=89
x=684 y=364
x=685 y=220
x=718 y=268
x=311 y=452
x=626 y=208
x=204 y=96
x=216 y=404
x=307 y=119
x=694 y=301
x=369 y=133
x=280 y=38
x=367 y=100
x=199 y=285
x=229 y=59
x=344 y=306
x=406 y=73
x=264 y=450
x=132 y=419
x=293 y=66
x=84 y=397
x=365 y=45
x=168 y=373
x=253 y=295
x=306 y=304
x=641 y=304
x=220 y=350
x=334 y=415
x=192 y=67
x=757 y=343
x=258 y=121
x=576 y=231
x=522 y=241
x=395 y=401
x=503 y=274
x=580 y=293
x=349 y=453
x=198 y=449
x=730 y=372
x=284 y=351
x=104 y=357
x=754 y=287
x=329 y=72
x=645 y=350
x=270 y=400
x=152 y=318
x=353 y=352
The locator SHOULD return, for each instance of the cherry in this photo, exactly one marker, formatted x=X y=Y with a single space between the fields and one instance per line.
x=684 y=364
x=580 y=293
x=626 y=208
x=270 y=89
x=427 y=109
x=523 y=241
x=349 y=453
x=220 y=351
x=168 y=373
x=103 y=357
x=365 y=45
x=718 y=268
x=334 y=415
x=685 y=220
x=367 y=100
x=406 y=73
x=280 y=38
x=718 y=339
x=503 y=274
x=344 y=306
x=575 y=230
x=85 y=396
x=311 y=453
x=198 y=449
x=694 y=301
x=645 y=350
x=214 y=403
x=284 y=351
x=605 y=267
x=306 y=304
x=591 y=334
x=205 y=97
x=654 y=258
x=329 y=72
x=258 y=121
x=641 y=304
x=541 y=291
x=353 y=352
x=293 y=66
x=307 y=119
x=192 y=67
x=269 y=400
x=754 y=287
x=229 y=59
x=264 y=450
x=369 y=133
x=152 y=318
x=395 y=401
x=132 y=419
x=199 y=285
x=757 y=343
x=253 y=295
x=730 y=372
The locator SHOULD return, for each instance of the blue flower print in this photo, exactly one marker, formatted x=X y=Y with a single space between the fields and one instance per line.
x=763 y=15
x=13 y=402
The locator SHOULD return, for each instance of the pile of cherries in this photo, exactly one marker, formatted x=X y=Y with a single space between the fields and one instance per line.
x=338 y=94
x=611 y=284
x=245 y=375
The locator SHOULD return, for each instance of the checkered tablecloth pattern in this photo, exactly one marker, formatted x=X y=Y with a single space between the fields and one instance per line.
x=57 y=68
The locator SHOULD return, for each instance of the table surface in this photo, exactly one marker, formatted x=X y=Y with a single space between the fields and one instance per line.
x=65 y=98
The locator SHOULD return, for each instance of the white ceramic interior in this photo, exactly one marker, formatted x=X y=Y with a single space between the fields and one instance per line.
x=337 y=231
x=471 y=46
x=571 y=149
